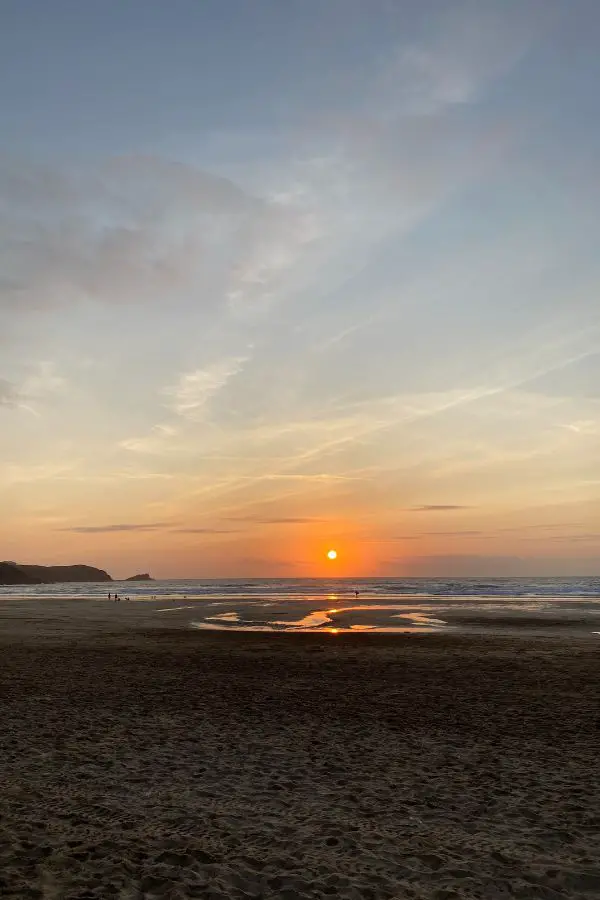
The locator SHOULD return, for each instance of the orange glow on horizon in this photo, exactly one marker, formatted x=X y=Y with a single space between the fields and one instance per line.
x=306 y=551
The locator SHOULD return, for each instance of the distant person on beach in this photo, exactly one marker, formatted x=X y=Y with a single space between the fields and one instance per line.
x=356 y=593
x=110 y=596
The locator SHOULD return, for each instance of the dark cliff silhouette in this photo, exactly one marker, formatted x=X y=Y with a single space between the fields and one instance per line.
x=10 y=573
x=17 y=573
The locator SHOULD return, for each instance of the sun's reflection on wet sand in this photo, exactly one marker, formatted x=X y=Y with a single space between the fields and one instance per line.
x=322 y=617
x=397 y=614
x=321 y=621
x=312 y=620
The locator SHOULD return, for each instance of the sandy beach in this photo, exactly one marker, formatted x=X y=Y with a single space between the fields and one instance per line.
x=171 y=763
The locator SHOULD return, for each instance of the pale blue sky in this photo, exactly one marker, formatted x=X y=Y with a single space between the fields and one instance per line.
x=280 y=275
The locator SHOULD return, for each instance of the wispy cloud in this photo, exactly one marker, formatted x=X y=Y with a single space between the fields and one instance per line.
x=204 y=531
x=191 y=395
x=15 y=473
x=39 y=383
x=470 y=45
x=275 y=244
x=438 y=507
x=542 y=526
x=43 y=380
x=276 y=520
x=107 y=529
x=60 y=254
x=157 y=441
x=474 y=533
x=584 y=427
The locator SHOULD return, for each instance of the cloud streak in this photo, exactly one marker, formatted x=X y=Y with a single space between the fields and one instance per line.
x=469 y=46
x=117 y=528
x=39 y=384
x=191 y=396
x=204 y=531
x=276 y=520
x=474 y=533
x=439 y=507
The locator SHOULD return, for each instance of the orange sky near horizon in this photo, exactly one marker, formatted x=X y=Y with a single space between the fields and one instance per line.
x=299 y=549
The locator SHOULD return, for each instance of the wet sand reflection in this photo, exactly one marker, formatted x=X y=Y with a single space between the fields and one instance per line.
x=333 y=621
x=308 y=615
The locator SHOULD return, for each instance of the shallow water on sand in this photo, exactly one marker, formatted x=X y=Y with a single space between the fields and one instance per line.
x=553 y=614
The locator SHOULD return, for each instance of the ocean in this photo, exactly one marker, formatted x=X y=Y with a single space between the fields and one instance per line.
x=540 y=605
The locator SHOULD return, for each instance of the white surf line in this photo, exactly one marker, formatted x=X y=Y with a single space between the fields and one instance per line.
x=173 y=608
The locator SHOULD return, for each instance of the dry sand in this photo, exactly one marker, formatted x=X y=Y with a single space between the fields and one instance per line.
x=180 y=764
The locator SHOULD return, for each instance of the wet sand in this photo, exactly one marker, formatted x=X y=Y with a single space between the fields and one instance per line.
x=48 y=618
x=176 y=763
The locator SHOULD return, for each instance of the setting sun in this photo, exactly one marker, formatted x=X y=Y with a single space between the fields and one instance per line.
x=332 y=554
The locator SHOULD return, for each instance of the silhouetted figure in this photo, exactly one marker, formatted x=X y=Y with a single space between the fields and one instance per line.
x=356 y=594
x=110 y=596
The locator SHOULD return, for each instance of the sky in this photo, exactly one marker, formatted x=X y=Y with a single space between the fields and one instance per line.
x=277 y=278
